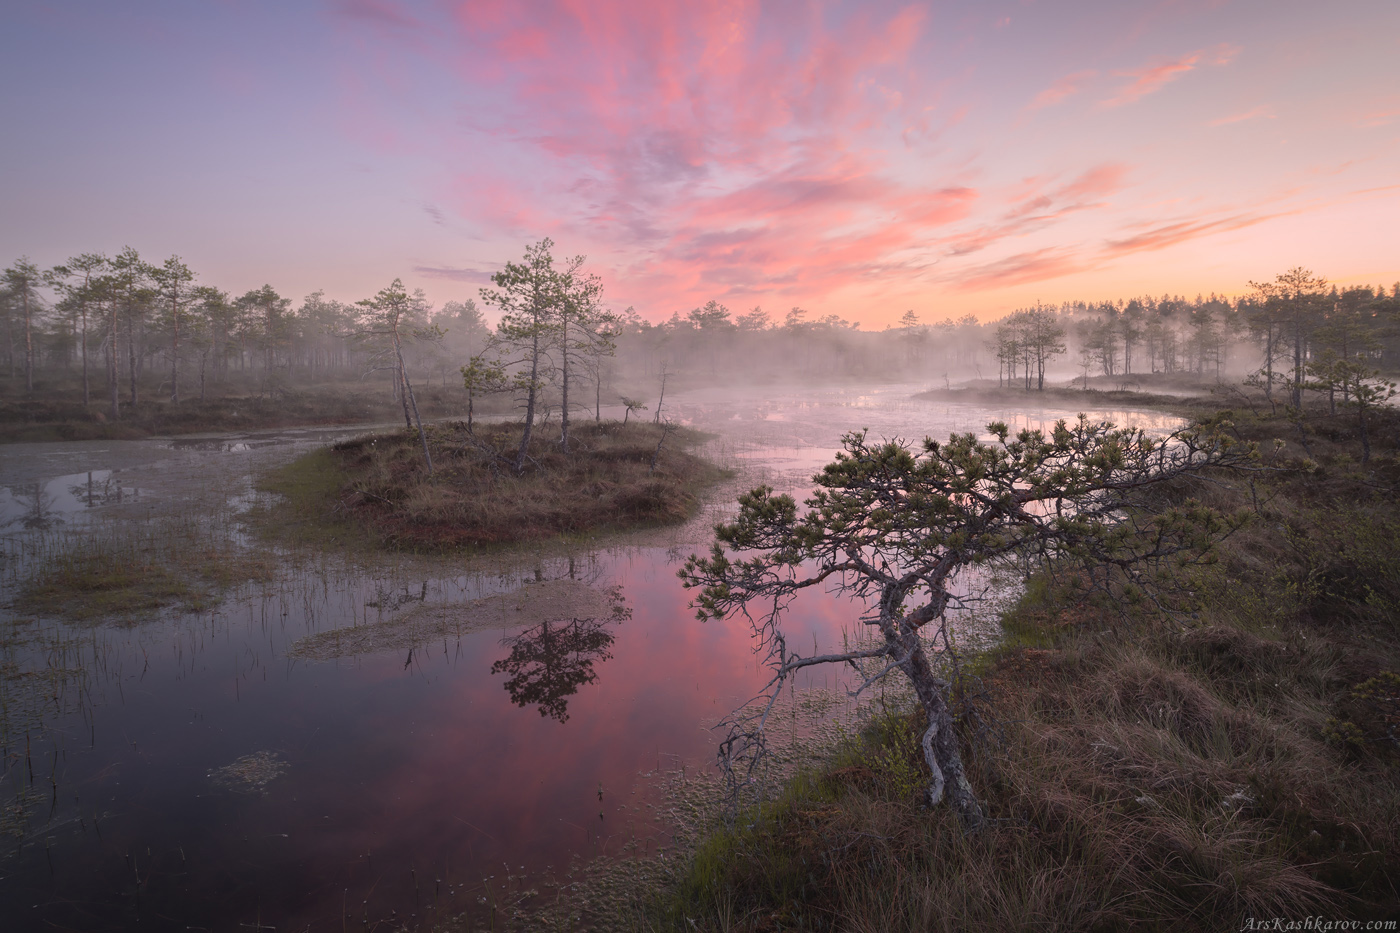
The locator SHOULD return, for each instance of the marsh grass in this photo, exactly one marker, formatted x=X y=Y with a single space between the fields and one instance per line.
x=43 y=673
x=474 y=498
x=125 y=569
x=1233 y=757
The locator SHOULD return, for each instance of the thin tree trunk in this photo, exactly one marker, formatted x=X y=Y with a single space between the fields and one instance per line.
x=1297 y=364
x=664 y=374
x=131 y=354
x=113 y=381
x=564 y=355
x=408 y=391
x=175 y=353
x=28 y=343
x=86 y=400
x=1365 y=437
x=529 y=402
x=402 y=382
x=1269 y=361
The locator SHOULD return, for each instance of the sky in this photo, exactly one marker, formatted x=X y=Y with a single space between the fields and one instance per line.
x=858 y=159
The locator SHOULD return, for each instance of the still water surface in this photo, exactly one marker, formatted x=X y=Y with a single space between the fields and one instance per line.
x=182 y=771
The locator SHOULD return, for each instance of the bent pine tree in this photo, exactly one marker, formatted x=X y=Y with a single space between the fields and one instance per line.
x=895 y=528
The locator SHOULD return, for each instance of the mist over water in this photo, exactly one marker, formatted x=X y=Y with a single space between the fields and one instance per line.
x=195 y=769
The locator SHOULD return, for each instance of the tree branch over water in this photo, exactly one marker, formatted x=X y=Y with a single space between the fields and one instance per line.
x=895 y=527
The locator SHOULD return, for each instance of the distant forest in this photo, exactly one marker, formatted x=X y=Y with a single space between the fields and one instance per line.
x=124 y=328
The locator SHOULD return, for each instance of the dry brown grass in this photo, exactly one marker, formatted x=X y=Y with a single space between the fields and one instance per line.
x=1234 y=759
x=474 y=497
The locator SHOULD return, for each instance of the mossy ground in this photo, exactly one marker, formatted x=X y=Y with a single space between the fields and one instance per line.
x=379 y=483
x=1236 y=757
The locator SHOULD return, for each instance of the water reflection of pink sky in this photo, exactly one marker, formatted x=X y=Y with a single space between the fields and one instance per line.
x=424 y=769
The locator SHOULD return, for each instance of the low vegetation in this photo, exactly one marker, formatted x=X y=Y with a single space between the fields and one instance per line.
x=615 y=477
x=61 y=416
x=135 y=570
x=1160 y=394
x=1226 y=752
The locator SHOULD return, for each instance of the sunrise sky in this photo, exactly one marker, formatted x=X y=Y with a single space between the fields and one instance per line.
x=852 y=158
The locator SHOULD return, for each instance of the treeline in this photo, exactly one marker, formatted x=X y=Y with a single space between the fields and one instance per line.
x=712 y=343
x=116 y=322
x=121 y=323
x=1293 y=333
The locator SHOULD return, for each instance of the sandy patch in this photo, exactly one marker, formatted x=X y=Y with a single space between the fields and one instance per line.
x=530 y=605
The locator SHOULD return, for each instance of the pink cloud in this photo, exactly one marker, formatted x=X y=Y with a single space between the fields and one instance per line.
x=1020 y=269
x=1170 y=234
x=1260 y=111
x=730 y=143
x=737 y=150
x=1379 y=118
x=1037 y=203
x=1062 y=89
x=1151 y=79
x=1098 y=181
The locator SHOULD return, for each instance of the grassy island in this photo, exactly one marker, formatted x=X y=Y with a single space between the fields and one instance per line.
x=615 y=477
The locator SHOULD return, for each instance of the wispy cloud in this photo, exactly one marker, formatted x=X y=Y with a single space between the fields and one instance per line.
x=1038 y=203
x=729 y=146
x=1162 y=236
x=1152 y=78
x=1379 y=118
x=1260 y=111
x=736 y=151
x=475 y=275
x=1020 y=269
x=1062 y=89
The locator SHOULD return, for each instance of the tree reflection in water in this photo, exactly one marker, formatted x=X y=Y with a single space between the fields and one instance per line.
x=548 y=663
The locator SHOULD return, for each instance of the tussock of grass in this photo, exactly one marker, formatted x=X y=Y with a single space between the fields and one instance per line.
x=137 y=569
x=474 y=497
x=1234 y=759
